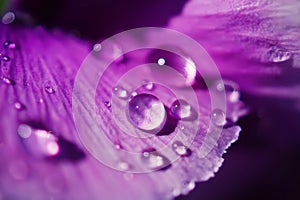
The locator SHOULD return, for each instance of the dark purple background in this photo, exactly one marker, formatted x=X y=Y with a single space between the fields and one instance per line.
x=262 y=164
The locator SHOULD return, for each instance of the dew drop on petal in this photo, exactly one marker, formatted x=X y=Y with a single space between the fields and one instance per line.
x=181 y=109
x=8 y=17
x=120 y=92
x=19 y=106
x=38 y=142
x=218 y=117
x=49 y=89
x=9 y=45
x=180 y=149
x=161 y=61
x=5 y=58
x=124 y=166
x=8 y=81
x=148 y=85
x=97 y=47
x=278 y=54
x=146 y=112
x=128 y=176
x=188 y=186
x=231 y=89
x=153 y=160
x=107 y=104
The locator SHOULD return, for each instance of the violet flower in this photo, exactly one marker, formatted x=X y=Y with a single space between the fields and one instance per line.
x=44 y=157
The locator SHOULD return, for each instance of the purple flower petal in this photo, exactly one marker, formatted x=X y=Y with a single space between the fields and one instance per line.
x=42 y=155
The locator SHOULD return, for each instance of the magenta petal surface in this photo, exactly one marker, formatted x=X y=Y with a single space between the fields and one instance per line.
x=42 y=156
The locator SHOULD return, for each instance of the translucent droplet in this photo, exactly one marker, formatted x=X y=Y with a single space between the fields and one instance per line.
x=49 y=89
x=128 y=176
x=107 y=104
x=19 y=106
x=5 y=58
x=8 y=81
x=180 y=149
x=278 y=54
x=218 y=117
x=188 y=186
x=154 y=160
x=124 y=166
x=148 y=85
x=41 y=100
x=97 y=47
x=146 y=112
x=120 y=92
x=231 y=89
x=38 y=142
x=10 y=45
x=161 y=61
x=181 y=109
x=8 y=18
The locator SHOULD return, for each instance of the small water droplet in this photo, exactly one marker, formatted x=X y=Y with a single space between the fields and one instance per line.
x=188 y=186
x=161 y=61
x=124 y=166
x=8 y=81
x=8 y=17
x=10 y=45
x=133 y=94
x=231 y=88
x=146 y=112
x=19 y=106
x=148 y=85
x=49 y=89
x=218 y=117
x=181 y=109
x=97 y=47
x=120 y=92
x=41 y=100
x=180 y=149
x=39 y=142
x=128 y=176
x=118 y=146
x=5 y=58
x=154 y=160
x=107 y=104
x=176 y=192
x=278 y=54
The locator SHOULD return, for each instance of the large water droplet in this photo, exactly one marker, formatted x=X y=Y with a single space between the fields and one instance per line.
x=154 y=160
x=218 y=117
x=120 y=92
x=38 y=142
x=8 y=18
x=180 y=149
x=181 y=109
x=146 y=112
x=278 y=54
